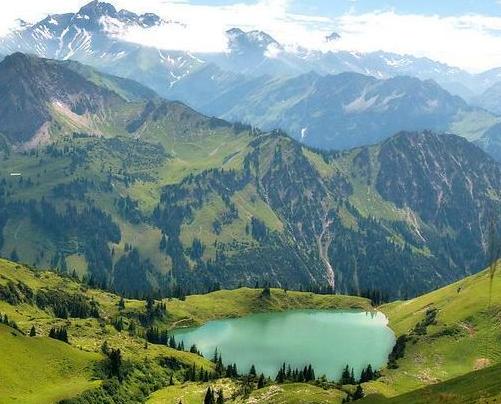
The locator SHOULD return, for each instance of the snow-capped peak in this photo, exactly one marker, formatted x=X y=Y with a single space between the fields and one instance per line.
x=251 y=41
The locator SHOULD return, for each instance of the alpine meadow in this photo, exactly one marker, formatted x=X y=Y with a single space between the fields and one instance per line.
x=298 y=206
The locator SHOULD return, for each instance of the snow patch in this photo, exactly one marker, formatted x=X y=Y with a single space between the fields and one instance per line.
x=360 y=104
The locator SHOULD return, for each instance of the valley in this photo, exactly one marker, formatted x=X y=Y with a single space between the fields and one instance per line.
x=250 y=202
x=453 y=352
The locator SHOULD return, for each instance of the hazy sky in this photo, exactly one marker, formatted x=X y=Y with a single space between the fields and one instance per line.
x=465 y=33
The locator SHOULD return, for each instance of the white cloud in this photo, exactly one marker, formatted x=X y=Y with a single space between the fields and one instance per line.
x=470 y=41
x=205 y=26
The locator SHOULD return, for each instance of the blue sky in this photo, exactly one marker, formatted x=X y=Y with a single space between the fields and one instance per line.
x=463 y=33
x=334 y=8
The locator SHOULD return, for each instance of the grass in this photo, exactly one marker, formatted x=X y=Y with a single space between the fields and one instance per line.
x=42 y=370
x=450 y=361
x=482 y=386
x=465 y=338
x=296 y=393
x=472 y=125
x=293 y=393
x=191 y=392
x=199 y=309
x=87 y=335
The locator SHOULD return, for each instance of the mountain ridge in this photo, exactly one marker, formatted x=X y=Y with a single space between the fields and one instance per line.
x=91 y=44
x=332 y=111
x=165 y=197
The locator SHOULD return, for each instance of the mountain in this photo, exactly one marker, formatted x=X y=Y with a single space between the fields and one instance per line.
x=491 y=142
x=329 y=112
x=93 y=36
x=44 y=100
x=435 y=328
x=35 y=90
x=490 y=99
x=140 y=194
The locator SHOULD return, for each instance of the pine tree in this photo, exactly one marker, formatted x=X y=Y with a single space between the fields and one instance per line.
x=209 y=397
x=216 y=356
x=33 y=331
x=14 y=256
x=252 y=371
x=193 y=374
x=115 y=363
x=281 y=375
x=105 y=349
x=348 y=377
x=370 y=373
x=261 y=381
x=220 y=397
x=359 y=393
x=367 y=374
x=132 y=328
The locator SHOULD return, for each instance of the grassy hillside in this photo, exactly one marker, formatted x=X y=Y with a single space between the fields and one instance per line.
x=454 y=355
x=294 y=393
x=122 y=179
x=462 y=336
x=480 y=386
x=70 y=369
x=40 y=369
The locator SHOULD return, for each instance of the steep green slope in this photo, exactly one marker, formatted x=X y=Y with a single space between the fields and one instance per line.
x=94 y=319
x=481 y=386
x=40 y=369
x=450 y=332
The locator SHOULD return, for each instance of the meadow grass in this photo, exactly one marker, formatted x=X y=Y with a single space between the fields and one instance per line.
x=42 y=370
x=466 y=336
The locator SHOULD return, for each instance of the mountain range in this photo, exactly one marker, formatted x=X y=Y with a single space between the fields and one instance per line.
x=332 y=111
x=261 y=82
x=107 y=179
x=93 y=35
x=145 y=193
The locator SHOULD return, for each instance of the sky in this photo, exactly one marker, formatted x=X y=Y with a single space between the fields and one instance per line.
x=463 y=33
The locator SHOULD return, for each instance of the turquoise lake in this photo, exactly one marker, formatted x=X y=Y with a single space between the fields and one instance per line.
x=329 y=340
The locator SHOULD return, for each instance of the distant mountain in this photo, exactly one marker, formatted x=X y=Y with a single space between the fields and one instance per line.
x=490 y=99
x=329 y=112
x=256 y=53
x=491 y=142
x=333 y=37
x=92 y=36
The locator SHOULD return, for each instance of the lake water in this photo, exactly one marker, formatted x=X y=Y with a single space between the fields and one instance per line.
x=329 y=340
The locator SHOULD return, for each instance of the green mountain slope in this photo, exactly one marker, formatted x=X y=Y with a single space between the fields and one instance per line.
x=143 y=195
x=450 y=332
x=43 y=370
x=40 y=369
x=454 y=355
x=480 y=386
